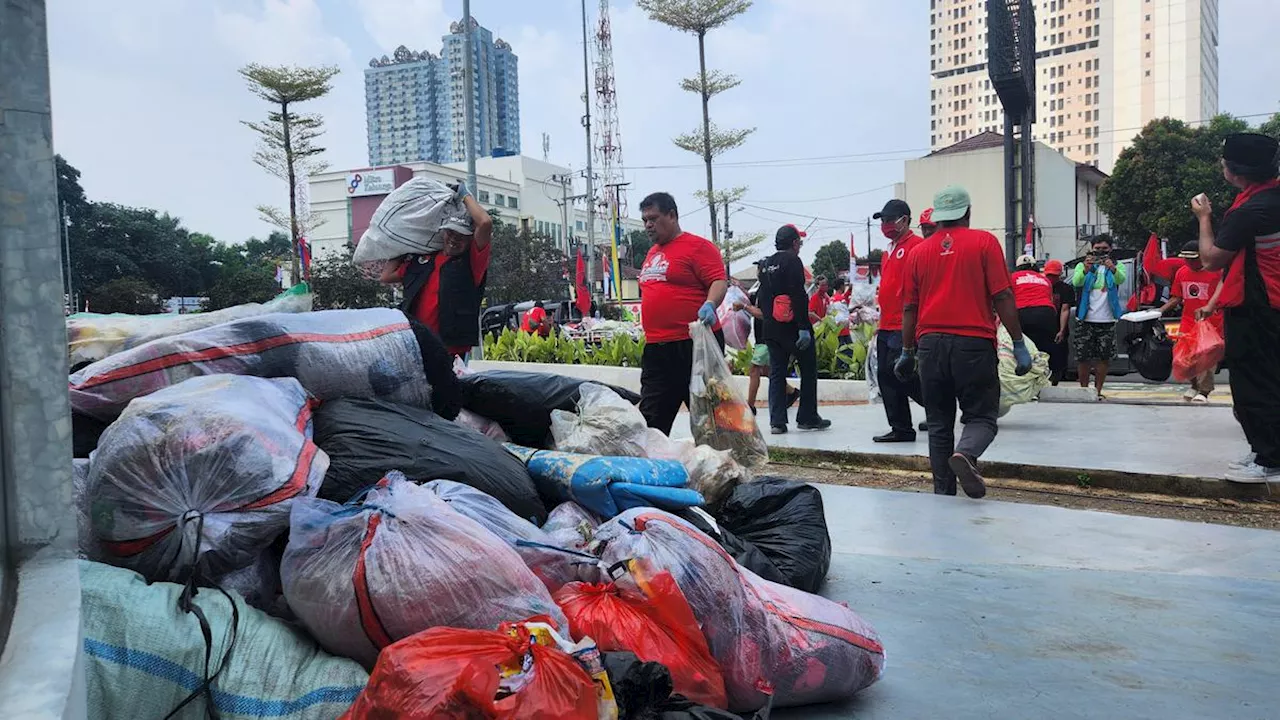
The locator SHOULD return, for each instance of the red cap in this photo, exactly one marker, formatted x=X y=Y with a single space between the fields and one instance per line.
x=1053 y=267
x=926 y=217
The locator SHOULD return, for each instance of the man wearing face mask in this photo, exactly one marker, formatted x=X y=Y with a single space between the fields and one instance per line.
x=443 y=290
x=895 y=223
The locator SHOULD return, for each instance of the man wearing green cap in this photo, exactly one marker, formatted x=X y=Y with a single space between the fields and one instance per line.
x=1247 y=245
x=953 y=280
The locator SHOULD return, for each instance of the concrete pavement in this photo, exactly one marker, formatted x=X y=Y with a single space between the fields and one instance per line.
x=1173 y=449
x=1002 y=610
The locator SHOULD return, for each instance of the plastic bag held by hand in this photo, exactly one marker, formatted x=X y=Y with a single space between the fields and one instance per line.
x=1016 y=389
x=1198 y=351
x=360 y=577
x=872 y=371
x=452 y=674
x=645 y=612
x=718 y=414
x=608 y=485
x=408 y=222
x=736 y=324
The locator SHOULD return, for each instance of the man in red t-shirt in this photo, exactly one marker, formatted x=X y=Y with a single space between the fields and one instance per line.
x=443 y=291
x=682 y=280
x=952 y=281
x=536 y=321
x=1197 y=290
x=1033 y=294
x=820 y=301
x=895 y=224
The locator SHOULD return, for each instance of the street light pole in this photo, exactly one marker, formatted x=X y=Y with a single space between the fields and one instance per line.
x=469 y=102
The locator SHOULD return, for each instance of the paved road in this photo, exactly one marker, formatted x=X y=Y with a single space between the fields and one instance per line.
x=1191 y=441
x=1000 y=610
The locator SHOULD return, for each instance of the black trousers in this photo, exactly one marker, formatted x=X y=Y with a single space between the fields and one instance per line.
x=895 y=394
x=1253 y=362
x=957 y=370
x=780 y=354
x=665 y=370
x=1041 y=325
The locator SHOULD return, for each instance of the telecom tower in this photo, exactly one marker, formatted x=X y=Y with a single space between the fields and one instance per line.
x=608 y=148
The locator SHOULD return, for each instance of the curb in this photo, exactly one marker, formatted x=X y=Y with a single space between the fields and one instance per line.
x=1174 y=485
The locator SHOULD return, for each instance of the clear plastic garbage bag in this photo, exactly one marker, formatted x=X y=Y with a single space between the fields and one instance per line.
x=605 y=424
x=718 y=414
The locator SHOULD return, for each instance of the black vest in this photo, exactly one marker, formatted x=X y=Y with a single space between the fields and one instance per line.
x=458 y=302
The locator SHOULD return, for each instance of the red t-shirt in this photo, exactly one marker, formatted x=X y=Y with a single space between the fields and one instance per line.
x=536 y=321
x=674 y=282
x=819 y=303
x=842 y=298
x=951 y=278
x=1195 y=288
x=1031 y=289
x=426 y=308
x=893 y=267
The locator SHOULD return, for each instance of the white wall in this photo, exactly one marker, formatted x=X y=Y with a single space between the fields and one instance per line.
x=979 y=171
x=1055 y=208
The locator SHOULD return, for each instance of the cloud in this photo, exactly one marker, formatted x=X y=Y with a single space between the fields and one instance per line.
x=280 y=32
x=392 y=23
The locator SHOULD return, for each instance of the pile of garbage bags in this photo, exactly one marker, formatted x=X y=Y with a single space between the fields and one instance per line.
x=290 y=525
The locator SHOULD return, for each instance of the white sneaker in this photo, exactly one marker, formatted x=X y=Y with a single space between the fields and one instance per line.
x=1200 y=399
x=1254 y=473
x=1245 y=461
x=1190 y=394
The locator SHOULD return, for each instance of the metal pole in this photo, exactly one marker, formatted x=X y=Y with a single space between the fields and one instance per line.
x=591 y=181
x=66 y=253
x=1010 y=192
x=1028 y=176
x=727 y=237
x=469 y=101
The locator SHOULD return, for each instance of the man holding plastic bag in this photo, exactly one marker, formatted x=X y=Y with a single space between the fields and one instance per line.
x=788 y=332
x=682 y=281
x=443 y=290
x=1192 y=288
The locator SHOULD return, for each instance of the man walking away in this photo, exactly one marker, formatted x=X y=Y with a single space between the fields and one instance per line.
x=952 y=281
x=682 y=280
x=788 y=332
x=1193 y=287
x=1064 y=298
x=443 y=291
x=1033 y=294
x=1248 y=244
x=1099 y=279
x=895 y=224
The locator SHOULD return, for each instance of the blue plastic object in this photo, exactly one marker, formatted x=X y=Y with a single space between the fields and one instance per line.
x=608 y=485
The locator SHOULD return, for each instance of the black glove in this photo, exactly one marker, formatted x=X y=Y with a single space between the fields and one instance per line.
x=904 y=368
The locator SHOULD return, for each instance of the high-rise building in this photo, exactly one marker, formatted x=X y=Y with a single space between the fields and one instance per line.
x=1104 y=68
x=415 y=106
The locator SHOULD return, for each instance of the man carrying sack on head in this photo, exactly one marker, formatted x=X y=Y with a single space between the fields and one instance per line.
x=1247 y=245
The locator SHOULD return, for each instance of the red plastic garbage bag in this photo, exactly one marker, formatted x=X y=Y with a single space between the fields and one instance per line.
x=1198 y=351
x=645 y=613
x=468 y=674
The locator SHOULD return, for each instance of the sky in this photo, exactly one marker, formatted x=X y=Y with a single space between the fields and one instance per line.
x=148 y=105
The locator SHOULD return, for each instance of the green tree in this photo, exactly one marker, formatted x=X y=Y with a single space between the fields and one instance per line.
x=338 y=284
x=524 y=266
x=286 y=139
x=831 y=260
x=1155 y=178
x=118 y=241
x=637 y=243
x=131 y=295
x=698 y=17
x=237 y=286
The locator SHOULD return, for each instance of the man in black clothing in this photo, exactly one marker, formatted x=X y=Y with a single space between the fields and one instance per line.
x=1247 y=245
x=788 y=332
x=1064 y=298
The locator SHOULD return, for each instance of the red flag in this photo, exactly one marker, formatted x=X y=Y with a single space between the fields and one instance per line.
x=584 y=294
x=1029 y=244
x=304 y=255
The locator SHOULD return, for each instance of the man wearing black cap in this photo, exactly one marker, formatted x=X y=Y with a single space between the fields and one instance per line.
x=895 y=224
x=788 y=332
x=1247 y=244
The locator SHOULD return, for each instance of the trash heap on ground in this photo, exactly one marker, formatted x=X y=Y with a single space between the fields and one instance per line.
x=313 y=514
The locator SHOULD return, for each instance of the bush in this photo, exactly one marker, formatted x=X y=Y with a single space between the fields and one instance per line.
x=339 y=285
x=126 y=295
x=242 y=285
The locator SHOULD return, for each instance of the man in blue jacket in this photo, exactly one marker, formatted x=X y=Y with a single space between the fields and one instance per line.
x=1099 y=279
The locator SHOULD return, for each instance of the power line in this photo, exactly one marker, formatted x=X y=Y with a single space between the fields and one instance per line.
x=834 y=197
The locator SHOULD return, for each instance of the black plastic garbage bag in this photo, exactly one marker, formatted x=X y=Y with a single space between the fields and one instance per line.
x=365 y=439
x=521 y=402
x=1151 y=352
x=85 y=432
x=784 y=520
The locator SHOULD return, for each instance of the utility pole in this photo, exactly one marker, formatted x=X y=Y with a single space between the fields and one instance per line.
x=868 y=237
x=728 y=236
x=469 y=101
x=591 y=180
x=65 y=225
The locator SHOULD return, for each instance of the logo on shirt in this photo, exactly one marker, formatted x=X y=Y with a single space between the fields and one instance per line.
x=655 y=269
x=901 y=252
x=1195 y=290
x=947 y=242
